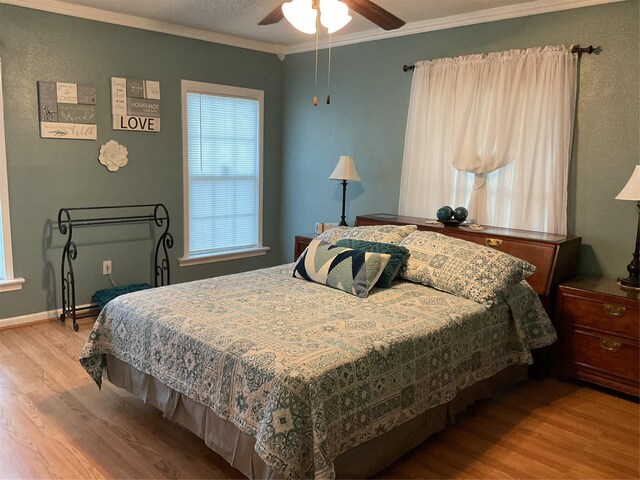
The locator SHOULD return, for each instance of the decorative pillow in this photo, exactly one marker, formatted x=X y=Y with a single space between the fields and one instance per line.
x=398 y=258
x=372 y=233
x=352 y=271
x=463 y=268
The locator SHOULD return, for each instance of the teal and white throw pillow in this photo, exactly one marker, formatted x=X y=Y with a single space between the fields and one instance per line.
x=465 y=269
x=398 y=258
x=352 y=271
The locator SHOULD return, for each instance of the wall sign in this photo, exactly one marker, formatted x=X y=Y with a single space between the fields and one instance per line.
x=67 y=110
x=135 y=104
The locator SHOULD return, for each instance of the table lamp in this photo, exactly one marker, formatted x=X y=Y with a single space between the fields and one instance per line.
x=345 y=170
x=631 y=191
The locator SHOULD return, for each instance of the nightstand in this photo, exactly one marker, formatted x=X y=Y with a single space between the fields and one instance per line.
x=597 y=324
x=300 y=243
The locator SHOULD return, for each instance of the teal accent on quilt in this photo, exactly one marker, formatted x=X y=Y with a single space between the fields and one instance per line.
x=399 y=256
x=323 y=370
x=462 y=268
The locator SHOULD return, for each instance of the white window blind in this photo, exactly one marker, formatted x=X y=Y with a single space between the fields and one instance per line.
x=223 y=168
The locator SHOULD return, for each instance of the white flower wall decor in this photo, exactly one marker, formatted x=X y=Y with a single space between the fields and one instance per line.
x=113 y=155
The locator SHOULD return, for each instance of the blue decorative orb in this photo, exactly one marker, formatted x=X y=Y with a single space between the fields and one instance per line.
x=445 y=213
x=460 y=214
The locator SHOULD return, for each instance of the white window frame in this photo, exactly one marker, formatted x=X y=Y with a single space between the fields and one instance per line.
x=189 y=86
x=9 y=283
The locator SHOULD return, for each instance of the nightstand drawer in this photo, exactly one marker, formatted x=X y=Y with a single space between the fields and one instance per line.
x=597 y=324
x=610 y=317
x=610 y=356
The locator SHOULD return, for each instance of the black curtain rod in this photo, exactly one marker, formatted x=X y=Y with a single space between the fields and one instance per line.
x=577 y=49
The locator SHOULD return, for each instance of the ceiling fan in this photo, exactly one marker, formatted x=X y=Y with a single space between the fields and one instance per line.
x=369 y=10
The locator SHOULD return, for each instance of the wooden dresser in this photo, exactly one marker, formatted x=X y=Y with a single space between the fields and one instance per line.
x=598 y=328
x=555 y=256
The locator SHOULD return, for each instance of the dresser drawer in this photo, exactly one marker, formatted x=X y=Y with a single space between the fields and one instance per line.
x=610 y=356
x=540 y=255
x=610 y=317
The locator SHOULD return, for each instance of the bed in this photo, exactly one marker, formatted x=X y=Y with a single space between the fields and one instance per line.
x=288 y=378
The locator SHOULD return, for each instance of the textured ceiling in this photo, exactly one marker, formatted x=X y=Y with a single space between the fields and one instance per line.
x=239 y=18
x=235 y=22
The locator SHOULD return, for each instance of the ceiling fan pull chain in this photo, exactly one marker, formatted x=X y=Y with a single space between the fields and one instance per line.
x=329 y=74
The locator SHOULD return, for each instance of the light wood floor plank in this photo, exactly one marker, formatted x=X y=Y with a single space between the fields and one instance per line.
x=55 y=423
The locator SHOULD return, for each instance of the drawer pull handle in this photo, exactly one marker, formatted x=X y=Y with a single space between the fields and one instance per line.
x=492 y=242
x=614 y=310
x=610 y=345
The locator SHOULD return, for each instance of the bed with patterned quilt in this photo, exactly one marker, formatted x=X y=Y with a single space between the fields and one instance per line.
x=303 y=372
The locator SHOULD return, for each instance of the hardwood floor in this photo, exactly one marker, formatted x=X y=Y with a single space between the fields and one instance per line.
x=54 y=423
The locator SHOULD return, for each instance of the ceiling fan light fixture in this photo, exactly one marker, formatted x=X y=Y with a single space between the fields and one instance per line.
x=334 y=15
x=301 y=14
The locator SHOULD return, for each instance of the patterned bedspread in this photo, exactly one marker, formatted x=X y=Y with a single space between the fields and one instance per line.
x=307 y=370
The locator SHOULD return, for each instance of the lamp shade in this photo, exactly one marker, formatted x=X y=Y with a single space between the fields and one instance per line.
x=631 y=190
x=345 y=170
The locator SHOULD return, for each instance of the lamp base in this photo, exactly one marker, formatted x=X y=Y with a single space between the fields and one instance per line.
x=629 y=283
x=343 y=221
x=633 y=280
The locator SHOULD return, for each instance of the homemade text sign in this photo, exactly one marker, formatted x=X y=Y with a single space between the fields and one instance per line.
x=67 y=110
x=135 y=104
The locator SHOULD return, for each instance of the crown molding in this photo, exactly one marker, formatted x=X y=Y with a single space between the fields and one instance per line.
x=536 y=7
x=472 y=18
x=89 y=13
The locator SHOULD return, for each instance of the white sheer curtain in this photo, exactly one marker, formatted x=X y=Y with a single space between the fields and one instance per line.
x=492 y=133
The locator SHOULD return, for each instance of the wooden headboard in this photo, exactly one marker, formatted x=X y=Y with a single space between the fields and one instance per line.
x=555 y=256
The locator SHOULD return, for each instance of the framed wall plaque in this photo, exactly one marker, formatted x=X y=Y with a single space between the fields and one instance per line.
x=135 y=104
x=67 y=110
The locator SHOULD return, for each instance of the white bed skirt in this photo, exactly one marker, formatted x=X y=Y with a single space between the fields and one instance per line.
x=237 y=447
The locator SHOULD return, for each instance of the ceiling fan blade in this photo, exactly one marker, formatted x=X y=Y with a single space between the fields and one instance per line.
x=274 y=16
x=374 y=13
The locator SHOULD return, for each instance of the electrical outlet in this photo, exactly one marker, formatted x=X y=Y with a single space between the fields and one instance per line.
x=106 y=267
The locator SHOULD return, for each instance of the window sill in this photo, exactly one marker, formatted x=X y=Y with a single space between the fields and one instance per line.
x=10 y=285
x=221 y=257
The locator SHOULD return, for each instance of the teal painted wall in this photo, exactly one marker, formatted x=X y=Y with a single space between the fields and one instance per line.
x=367 y=119
x=45 y=175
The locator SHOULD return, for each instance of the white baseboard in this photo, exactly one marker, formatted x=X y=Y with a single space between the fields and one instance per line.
x=32 y=318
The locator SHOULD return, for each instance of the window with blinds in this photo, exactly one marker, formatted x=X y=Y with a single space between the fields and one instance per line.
x=223 y=163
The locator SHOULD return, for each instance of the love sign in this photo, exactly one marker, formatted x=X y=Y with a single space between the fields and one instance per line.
x=135 y=104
